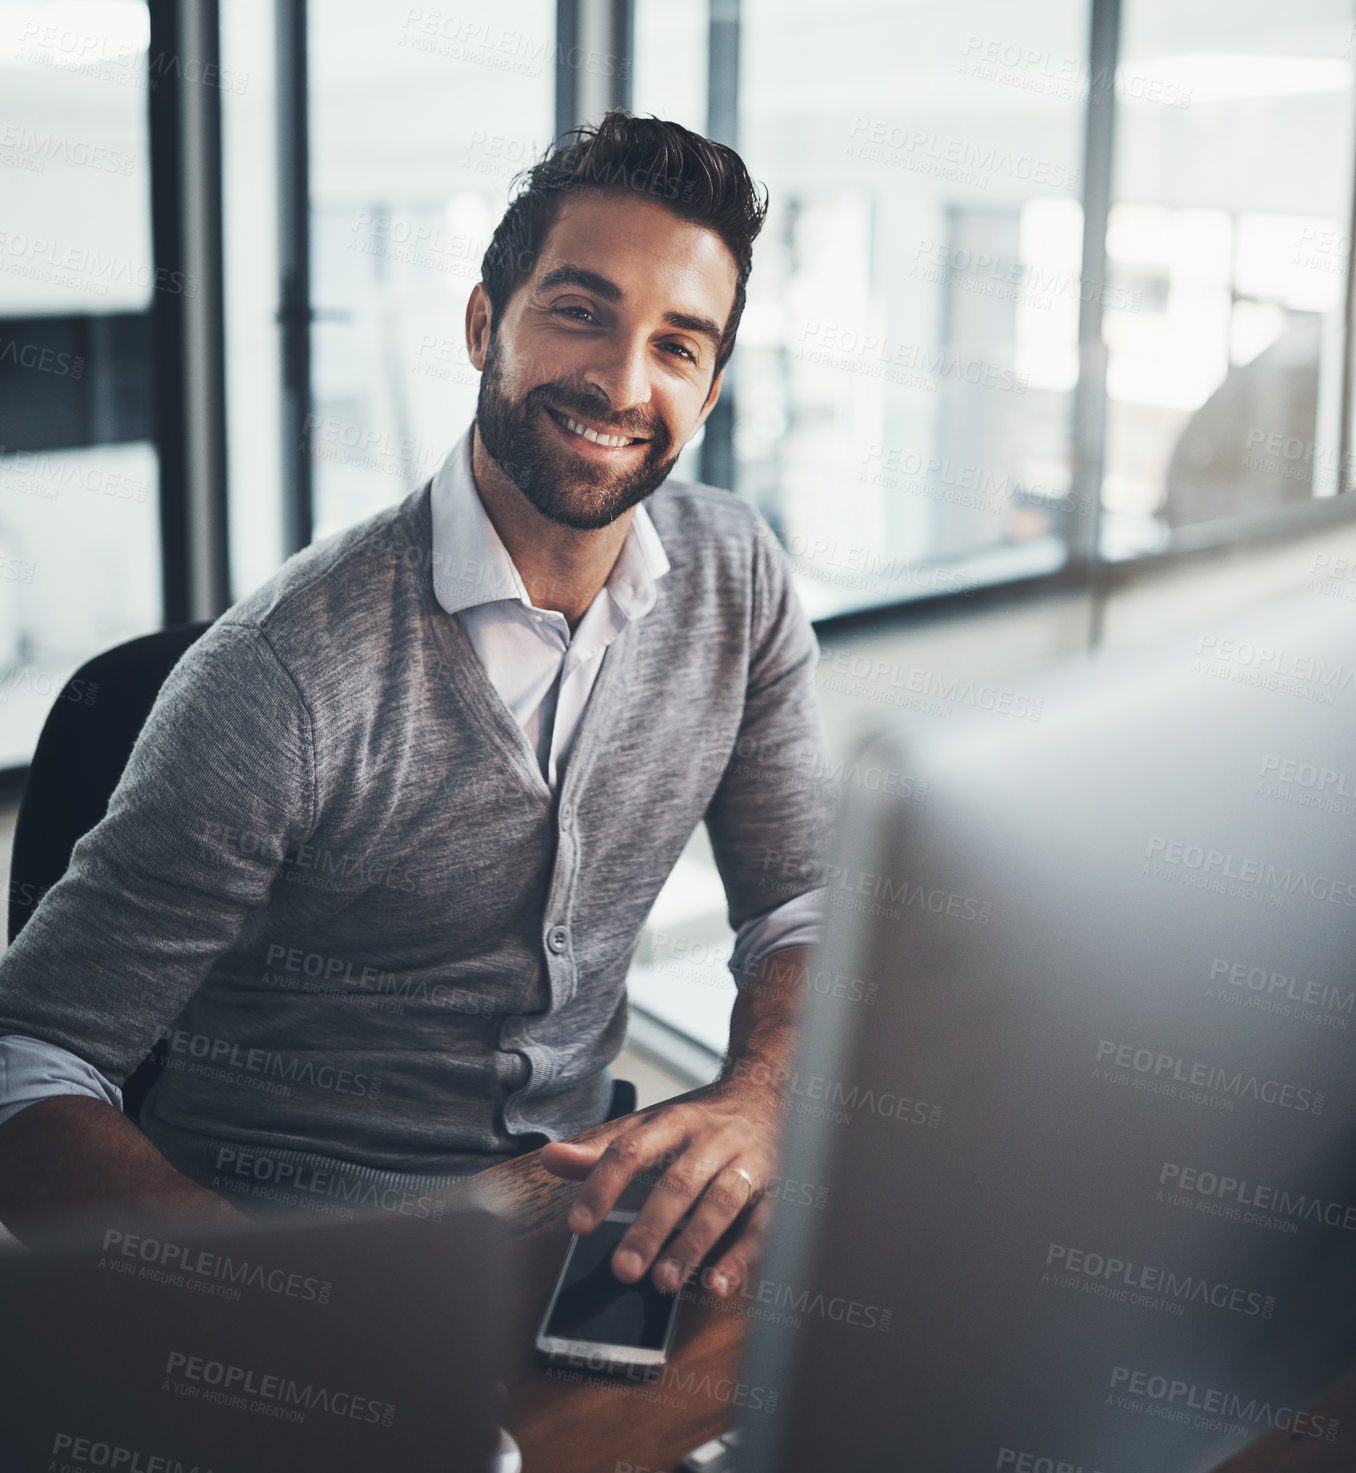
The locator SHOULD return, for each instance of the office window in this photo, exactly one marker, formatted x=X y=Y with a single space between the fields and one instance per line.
x=1230 y=229
x=668 y=78
x=419 y=119
x=79 y=496
x=907 y=361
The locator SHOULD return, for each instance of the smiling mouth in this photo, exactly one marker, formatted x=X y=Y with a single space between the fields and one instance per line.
x=587 y=432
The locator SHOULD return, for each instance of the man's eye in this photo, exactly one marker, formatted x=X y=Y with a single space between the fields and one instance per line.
x=582 y=311
x=685 y=351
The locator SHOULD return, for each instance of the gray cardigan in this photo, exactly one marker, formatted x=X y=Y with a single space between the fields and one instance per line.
x=333 y=879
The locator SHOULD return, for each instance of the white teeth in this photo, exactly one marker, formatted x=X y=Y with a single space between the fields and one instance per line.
x=611 y=441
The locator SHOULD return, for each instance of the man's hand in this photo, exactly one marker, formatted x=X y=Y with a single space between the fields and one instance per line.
x=696 y=1147
x=698 y=1144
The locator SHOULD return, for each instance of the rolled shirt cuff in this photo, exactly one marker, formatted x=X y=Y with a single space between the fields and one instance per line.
x=796 y=922
x=31 y=1070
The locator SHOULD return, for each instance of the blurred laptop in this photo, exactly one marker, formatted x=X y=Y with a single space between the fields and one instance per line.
x=369 y=1346
x=1076 y=1134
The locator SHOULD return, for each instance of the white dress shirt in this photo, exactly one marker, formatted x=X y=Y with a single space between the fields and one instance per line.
x=543 y=673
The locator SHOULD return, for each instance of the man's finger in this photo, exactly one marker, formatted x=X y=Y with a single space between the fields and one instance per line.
x=670 y=1199
x=573 y=1160
x=630 y=1151
x=728 y=1192
x=734 y=1266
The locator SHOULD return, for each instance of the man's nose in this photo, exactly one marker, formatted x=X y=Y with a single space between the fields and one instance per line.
x=621 y=372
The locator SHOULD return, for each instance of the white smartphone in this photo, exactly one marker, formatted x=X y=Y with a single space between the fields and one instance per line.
x=597 y=1322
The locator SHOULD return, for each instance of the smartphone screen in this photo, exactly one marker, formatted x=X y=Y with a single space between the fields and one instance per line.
x=593 y=1304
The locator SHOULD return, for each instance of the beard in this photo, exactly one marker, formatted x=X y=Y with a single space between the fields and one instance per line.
x=568 y=489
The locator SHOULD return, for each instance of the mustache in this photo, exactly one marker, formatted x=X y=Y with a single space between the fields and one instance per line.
x=633 y=422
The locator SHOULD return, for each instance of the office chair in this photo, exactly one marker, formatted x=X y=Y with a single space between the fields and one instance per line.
x=84 y=746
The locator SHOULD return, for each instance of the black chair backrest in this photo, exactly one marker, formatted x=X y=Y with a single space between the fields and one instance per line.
x=84 y=746
x=85 y=743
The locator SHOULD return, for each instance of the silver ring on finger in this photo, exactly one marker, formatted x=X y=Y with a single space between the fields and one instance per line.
x=753 y=1186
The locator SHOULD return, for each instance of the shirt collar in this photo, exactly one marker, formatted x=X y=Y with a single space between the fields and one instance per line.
x=471 y=565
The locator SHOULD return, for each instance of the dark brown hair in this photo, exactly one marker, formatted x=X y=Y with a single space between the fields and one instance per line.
x=699 y=180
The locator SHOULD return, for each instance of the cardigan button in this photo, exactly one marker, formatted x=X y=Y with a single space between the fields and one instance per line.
x=566 y=815
x=558 y=938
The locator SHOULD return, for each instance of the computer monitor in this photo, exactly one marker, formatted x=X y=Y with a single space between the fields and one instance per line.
x=1073 y=1119
x=293 y=1346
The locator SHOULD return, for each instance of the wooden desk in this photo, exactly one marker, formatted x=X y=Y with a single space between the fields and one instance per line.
x=569 y=1421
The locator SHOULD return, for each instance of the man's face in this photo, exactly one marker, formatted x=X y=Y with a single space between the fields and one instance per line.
x=614 y=337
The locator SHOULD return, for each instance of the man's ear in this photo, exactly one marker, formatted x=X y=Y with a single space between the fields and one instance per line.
x=710 y=404
x=479 y=321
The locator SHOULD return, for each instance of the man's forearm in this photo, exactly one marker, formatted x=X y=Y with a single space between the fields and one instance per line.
x=763 y=1022
x=63 y=1155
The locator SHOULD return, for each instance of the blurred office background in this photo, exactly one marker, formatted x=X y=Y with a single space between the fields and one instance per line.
x=1048 y=341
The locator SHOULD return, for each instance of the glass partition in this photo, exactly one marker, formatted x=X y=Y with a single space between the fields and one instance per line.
x=79 y=496
x=1230 y=223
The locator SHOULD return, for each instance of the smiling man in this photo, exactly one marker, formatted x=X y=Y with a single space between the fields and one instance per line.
x=380 y=859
